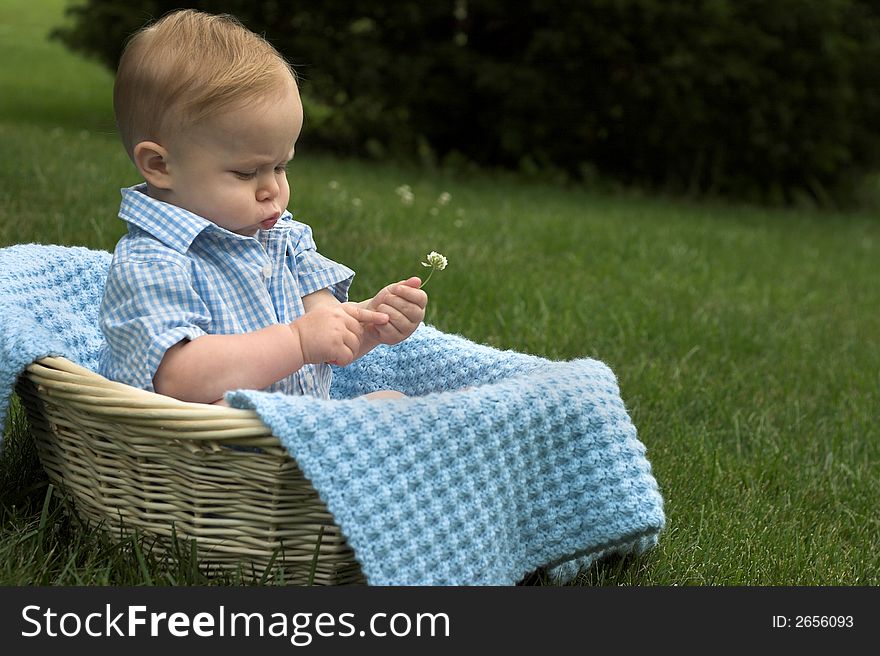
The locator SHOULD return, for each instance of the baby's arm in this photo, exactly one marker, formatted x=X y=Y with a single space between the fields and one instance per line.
x=203 y=369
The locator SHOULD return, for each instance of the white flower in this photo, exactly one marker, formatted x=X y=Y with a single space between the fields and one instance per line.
x=406 y=195
x=444 y=198
x=356 y=202
x=435 y=261
x=333 y=185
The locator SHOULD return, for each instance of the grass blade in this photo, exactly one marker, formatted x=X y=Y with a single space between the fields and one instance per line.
x=314 y=568
x=139 y=554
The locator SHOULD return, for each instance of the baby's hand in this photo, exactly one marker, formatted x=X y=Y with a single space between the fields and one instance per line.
x=333 y=333
x=405 y=304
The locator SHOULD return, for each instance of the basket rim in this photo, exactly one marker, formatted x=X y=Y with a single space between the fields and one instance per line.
x=110 y=400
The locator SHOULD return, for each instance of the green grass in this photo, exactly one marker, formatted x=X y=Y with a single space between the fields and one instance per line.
x=745 y=340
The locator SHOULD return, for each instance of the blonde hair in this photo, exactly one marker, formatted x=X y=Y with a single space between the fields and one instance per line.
x=187 y=66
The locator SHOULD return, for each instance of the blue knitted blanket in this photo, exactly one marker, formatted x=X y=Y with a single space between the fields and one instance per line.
x=499 y=463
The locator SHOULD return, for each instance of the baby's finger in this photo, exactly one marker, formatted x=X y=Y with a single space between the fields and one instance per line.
x=413 y=311
x=411 y=294
x=388 y=334
x=397 y=318
x=403 y=314
x=354 y=329
x=381 y=296
x=391 y=334
x=352 y=339
x=344 y=357
x=413 y=283
x=364 y=315
x=344 y=352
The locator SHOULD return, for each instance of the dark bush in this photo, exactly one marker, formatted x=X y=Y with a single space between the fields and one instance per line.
x=756 y=99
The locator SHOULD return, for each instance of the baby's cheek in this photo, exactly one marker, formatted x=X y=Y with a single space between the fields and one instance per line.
x=284 y=193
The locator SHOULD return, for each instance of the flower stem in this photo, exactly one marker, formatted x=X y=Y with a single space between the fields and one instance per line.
x=428 y=278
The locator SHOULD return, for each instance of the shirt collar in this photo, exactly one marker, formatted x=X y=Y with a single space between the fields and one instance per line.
x=172 y=225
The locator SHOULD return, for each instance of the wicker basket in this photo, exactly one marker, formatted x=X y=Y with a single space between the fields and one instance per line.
x=141 y=461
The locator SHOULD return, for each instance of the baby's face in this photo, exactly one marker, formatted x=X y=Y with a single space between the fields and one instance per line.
x=230 y=169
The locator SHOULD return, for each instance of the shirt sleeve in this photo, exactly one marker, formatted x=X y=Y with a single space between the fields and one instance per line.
x=313 y=271
x=148 y=307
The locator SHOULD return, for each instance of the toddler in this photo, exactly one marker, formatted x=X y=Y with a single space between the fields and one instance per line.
x=215 y=287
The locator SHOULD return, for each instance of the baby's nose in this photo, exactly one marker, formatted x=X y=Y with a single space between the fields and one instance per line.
x=268 y=189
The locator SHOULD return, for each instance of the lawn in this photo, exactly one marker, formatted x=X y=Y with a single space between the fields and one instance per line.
x=745 y=339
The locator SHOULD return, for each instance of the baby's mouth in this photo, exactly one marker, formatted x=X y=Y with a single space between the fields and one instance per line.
x=270 y=222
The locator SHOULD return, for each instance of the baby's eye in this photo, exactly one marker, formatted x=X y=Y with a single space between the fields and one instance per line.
x=245 y=175
x=281 y=168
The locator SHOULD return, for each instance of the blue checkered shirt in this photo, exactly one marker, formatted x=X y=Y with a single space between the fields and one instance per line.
x=178 y=276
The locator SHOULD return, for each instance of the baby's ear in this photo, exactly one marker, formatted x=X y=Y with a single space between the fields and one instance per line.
x=151 y=159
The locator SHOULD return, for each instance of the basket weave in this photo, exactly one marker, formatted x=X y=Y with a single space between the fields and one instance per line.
x=136 y=460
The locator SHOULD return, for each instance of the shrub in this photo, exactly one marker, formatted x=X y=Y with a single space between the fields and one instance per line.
x=759 y=99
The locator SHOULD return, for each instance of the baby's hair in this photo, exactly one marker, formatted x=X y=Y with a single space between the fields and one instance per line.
x=187 y=66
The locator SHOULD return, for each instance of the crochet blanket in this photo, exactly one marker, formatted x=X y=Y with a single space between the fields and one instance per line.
x=497 y=464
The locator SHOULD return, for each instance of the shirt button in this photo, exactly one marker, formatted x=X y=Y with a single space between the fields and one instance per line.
x=267 y=271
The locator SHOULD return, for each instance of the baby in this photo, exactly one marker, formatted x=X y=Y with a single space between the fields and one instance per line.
x=215 y=287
